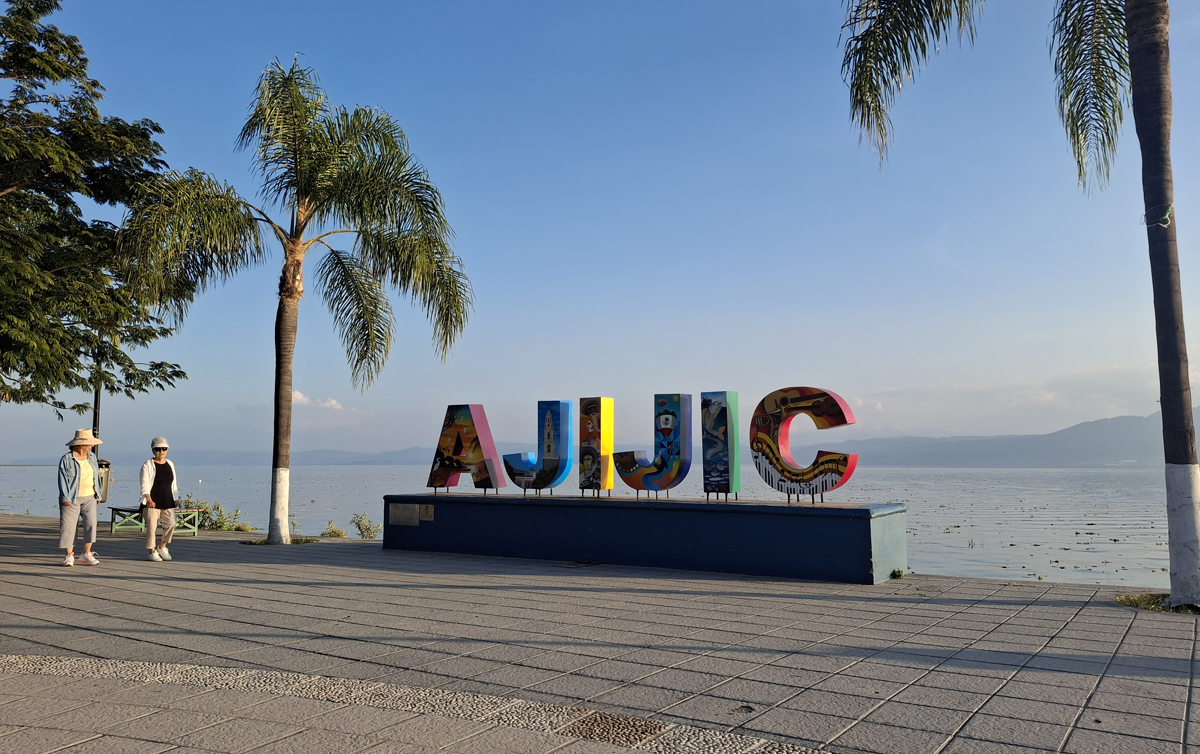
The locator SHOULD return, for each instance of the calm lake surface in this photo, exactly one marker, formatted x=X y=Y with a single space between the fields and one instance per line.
x=1105 y=526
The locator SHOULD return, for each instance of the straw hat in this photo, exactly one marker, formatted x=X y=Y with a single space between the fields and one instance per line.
x=83 y=437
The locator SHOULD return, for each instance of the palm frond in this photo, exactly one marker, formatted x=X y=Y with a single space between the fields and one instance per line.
x=287 y=106
x=431 y=274
x=190 y=228
x=373 y=185
x=1091 y=69
x=887 y=42
x=361 y=312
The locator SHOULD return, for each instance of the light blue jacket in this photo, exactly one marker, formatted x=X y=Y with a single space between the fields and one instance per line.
x=68 y=477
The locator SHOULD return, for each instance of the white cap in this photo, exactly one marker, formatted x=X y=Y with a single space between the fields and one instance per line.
x=159 y=442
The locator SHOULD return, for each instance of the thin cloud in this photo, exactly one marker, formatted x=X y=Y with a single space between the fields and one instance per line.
x=304 y=400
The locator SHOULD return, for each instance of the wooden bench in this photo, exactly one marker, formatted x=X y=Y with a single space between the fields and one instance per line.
x=128 y=519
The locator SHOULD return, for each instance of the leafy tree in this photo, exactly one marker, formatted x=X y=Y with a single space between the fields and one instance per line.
x=1107 y=54
x=71 y=301
x=336 y=173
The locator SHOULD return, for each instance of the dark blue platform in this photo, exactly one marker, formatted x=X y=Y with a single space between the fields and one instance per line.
x=860 y=544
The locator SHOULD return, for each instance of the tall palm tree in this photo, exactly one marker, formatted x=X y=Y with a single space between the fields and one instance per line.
x=337 y=174
x=1106 y=53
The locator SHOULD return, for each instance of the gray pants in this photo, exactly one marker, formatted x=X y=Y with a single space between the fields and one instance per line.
x=68 y=521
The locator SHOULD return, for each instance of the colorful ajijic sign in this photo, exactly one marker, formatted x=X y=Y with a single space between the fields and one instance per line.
x=672 y=457
x=721 y=449
x=769 y=441
x=466 y=445
x=595 y=444
x=551 y=465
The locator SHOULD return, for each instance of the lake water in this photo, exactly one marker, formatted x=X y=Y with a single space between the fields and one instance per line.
x=1105 y=526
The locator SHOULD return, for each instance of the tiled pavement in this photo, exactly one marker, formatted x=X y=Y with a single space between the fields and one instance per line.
x=923 y=664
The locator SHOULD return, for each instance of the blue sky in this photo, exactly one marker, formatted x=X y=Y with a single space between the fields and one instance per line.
x=659 y=197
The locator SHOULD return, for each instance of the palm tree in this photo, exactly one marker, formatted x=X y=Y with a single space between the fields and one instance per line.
x=1106 y=53
x=338 y=174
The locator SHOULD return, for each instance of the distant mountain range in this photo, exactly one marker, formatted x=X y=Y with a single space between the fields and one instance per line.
x=1120 y=441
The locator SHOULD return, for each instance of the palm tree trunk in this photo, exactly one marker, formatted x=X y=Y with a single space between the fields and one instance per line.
x=286 y=320
x=1147 y=23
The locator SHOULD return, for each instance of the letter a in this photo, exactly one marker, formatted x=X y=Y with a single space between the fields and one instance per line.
x=466 y=446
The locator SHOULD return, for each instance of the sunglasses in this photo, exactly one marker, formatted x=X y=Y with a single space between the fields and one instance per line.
x=160 y=450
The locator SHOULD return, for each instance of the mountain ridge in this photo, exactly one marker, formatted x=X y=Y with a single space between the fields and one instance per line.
x=1122 y=441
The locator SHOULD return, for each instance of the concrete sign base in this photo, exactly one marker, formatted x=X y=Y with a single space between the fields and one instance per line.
x=859 y=544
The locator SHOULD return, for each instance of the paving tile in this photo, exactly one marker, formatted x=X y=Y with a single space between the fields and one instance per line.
x=681 y=680
x=1032 y=710
x=575 y=686
x=920 y=717
x=935 y=697
x=509 y=741
x=1144 y=725
x=1014 y=731
x=163 y=725
x=287 y=709
x=219 y=701
x=830 y=703
x=796 y=724
x=95 y=716
x=1099 y=742
x=323 y=741
x=40 y=740
x=433 y=731
x=889 y=739
x=29 y=710
x=646 y=699
x=237 y=735
x=117 y=745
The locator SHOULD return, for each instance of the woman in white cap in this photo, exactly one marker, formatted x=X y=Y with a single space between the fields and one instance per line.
x=158 y=499
x=78 y=480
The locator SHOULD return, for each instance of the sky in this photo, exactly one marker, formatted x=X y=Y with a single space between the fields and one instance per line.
x=657 y=197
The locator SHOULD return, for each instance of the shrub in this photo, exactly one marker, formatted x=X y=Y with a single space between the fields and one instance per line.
x=367 y=529
x=214 y=516
x=332 y=530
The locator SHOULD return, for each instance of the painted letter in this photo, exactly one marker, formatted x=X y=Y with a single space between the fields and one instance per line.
x=555 y=456
x=466 y=446
x=595 y=443
x=719 y=433
x=672 y=447
x=769 y=441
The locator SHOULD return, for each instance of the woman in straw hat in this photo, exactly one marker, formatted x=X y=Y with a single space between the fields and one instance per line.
x=78 y=481
x=158 y=498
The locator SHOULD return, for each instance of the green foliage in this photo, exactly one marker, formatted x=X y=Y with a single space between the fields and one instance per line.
x=351 y=172
x=887 y=42
x=1091 y=69
x=332 y=530
x=1153 y=602
x=897 y=573
x=367 y=529
x=294 y=541
x=214 y=516
x=71 y=302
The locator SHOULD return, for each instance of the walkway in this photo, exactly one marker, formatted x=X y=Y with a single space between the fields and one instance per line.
x=343 y=647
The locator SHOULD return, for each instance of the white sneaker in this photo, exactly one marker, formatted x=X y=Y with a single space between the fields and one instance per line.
x=88 y=559
x=162 y=553
x=69 y=561
x=154 y=557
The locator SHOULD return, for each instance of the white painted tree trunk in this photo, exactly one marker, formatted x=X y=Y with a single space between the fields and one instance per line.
x=278 y=531
x=1183 y=533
